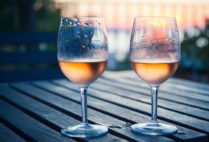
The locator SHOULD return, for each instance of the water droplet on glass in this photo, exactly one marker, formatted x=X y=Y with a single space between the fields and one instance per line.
x=74 y=19
x=78 y=37
x=83 y=46
x=87 y=24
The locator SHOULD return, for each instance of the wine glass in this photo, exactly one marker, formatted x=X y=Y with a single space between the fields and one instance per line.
x=154 y=54
x=82 y=55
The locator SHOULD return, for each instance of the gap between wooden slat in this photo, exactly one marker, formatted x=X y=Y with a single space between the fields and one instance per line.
x=167 y=99
x=117 y=132
x=78 y=101
x=50 y=123
x=97 y=86
x=179 y=123
x=14 y=129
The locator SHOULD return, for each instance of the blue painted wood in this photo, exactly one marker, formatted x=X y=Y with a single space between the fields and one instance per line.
x=34 y=57
x=30 y=75
x=28 y=37
x=40 y=64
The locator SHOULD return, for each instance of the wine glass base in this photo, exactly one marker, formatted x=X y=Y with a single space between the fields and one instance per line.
x=154 y=129
x=84 y=131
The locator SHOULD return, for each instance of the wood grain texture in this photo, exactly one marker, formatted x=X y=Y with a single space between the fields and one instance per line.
x=31 y=127
x=38 y=110
x=71 y=108
x=165 y=114
x=7 y=135
x=136 y=94
x=116 y=110
x=47 y=115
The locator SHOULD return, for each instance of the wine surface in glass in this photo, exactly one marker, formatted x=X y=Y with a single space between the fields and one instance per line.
x=83 y=72
x=155 y=71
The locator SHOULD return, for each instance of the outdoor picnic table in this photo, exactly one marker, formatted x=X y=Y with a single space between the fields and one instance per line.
x=38 y=110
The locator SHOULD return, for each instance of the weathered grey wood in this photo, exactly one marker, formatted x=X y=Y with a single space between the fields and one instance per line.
x=172 y=82
x=188 y=84
x=174 y=89
x=115 y=99
x=171 y=116
x=167 y=88
x=104 y=85
x=119 y=111
x=115 y=110
x=7 y=135
x=28 y=125
x=71 y=107
x=162 y=95
x=46 y=114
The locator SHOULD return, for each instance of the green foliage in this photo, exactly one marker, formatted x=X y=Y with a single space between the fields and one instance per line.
x=38 y=15
x=48 y=17
x=195 y=50
x=6 y=15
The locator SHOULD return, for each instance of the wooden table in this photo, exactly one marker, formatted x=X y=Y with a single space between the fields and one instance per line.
x=37 y=110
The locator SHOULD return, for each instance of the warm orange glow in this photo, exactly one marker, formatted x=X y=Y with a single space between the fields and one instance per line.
x=120 y=14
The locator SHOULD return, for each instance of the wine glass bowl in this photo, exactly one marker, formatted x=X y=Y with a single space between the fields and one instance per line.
x=82 y=48
x=82 y=56
x=155 y=55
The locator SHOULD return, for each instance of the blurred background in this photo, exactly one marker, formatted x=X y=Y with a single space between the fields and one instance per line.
x=28 y=34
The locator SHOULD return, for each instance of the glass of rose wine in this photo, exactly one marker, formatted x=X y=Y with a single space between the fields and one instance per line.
x=82 y=56
x=154 y=54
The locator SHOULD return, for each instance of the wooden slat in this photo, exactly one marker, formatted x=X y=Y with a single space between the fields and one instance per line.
x=104 y=85
x=32 y=57
x=7 y=135
x=190 y=85
x=136 y=87
x=171 y=116
x=30 y=75
x=31 y=127
x=46 y=114
x=115 y=109
x=28 y=37
x=94 y=116
x=128 y=103
x=180 y=90
x=187 y=84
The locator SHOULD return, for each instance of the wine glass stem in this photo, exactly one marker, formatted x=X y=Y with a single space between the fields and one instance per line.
x=83 y=92
x=154 y=94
